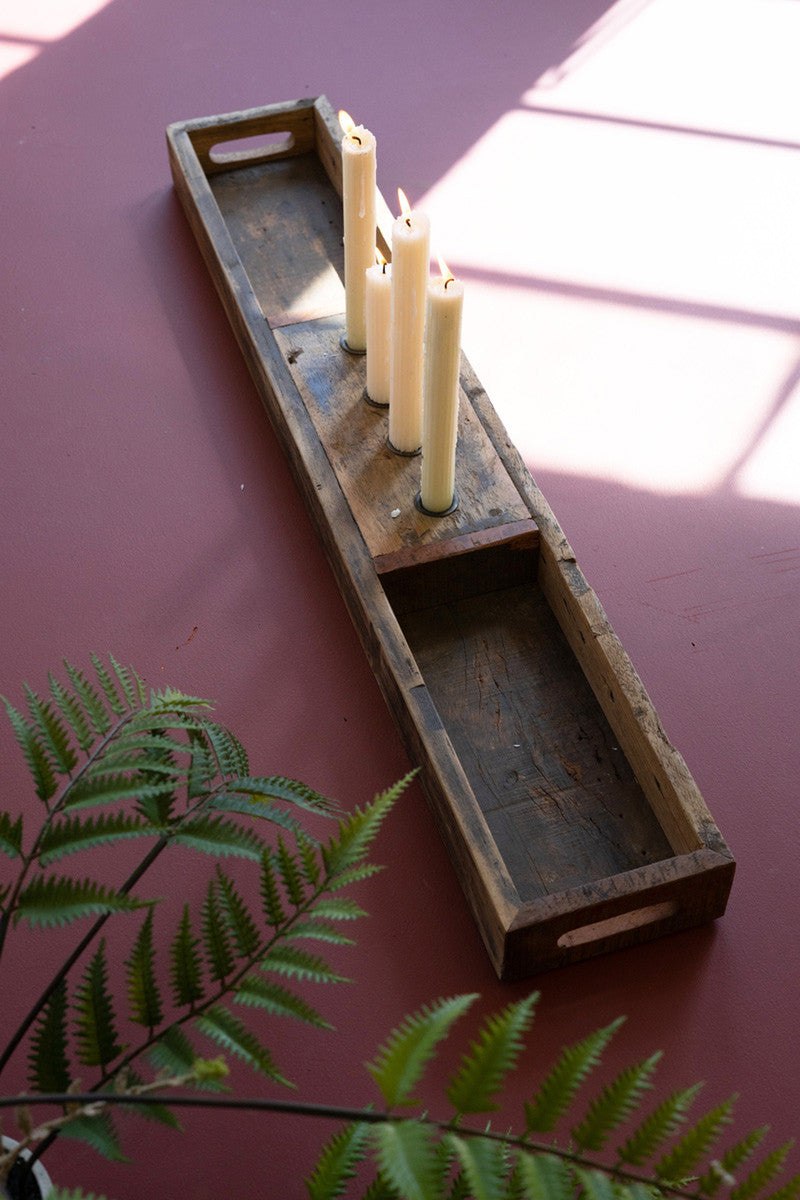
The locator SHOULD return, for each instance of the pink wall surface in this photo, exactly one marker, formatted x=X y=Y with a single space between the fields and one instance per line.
x=613 y=183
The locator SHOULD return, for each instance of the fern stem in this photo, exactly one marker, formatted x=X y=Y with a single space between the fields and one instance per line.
x=367 y=1116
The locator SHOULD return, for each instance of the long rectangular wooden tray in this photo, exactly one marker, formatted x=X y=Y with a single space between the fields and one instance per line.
x=574 y=826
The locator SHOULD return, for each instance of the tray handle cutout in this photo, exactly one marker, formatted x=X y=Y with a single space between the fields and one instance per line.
x=243 y=150
x=621 y=923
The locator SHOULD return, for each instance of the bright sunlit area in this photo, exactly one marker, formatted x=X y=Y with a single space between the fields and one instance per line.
x=26 y=29
x=628 y=236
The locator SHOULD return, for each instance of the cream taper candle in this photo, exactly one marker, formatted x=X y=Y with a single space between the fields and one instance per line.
x=358 y=201
x=379 y=318
x=445 y=299
x=411 y=235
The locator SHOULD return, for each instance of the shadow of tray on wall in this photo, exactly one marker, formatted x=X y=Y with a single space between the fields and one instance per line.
x=573 y=824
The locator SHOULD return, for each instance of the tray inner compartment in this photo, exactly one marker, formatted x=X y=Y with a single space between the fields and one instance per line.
x=556 y=791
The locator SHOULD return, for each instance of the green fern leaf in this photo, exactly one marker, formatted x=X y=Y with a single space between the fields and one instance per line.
x=144 y=996
x=97 y=787
x=337 y=908
x=217 y=836
x=730 y=1161
x=227 y=749
x=95 y=710
x=132 y=686
x=233 y=802
x=255 y=991
x=595 y=1185
x=39 y=764
x=185 y=963
x=48 y=1065
x=270 y=893
x=122 y=759
x=353 y=875
x=73 y=835
x=764 y=1173
x=399 y=1063
x=407 y=1158
x=115 y=703
x=216 y=936
x=309 y=861
x=357 y=832
x=227 y=1031
x=52 y=732
x=682 y=1159
x=483 y=1070
x=57 y=1193
x=99 y=1133
x=483 y=1164
x=173 y=1053
x=202 y=765
x=615 y=1104
x=171 y=700
x=545 y=1177
x=10 y=835
x=73 y=713
x=289 y=871
x=558 y=1089
x=267 y=789
x=159 y=1113
x=662 y=1124
x=97 y=1043
x=337 y=1163
x=319 y=931
x=293 y=963
x=789 y=1191
x=52 y=901
x=244 y=929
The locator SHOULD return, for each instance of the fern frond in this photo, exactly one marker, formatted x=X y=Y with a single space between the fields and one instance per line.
x=545 y=1177
x=173 y=1053
x=558 y=1089
x=358 y=830
x=159 y=1113
x=52 y=732
x=731 y=1160
x=202 y=765
x=290 y=873
x=483 y=1164
x=408 y=1158
x=95 y=1027
x=115 y=703
x=93 y=707
x=683 y=1158
x=271 y=901
x=39 y=764
x=353 y=875
x=337 y=1163
x=98 y=1132
x=662 y=1124
x=122 y=759
x=337 y=908
x=485 y=1067
x=293 y=963
x=171 y=700
x=144 y=996
x=309 y=861
x=53 y=901
x=73 y=835
x=235 y=802
x=615 y=1104
x=217 y=836
x=10 y=835
x=96 y=788
x=319 y=931
x=132 y=686
x=232 y=1035
x=74 y=714
x=48 y=1064
x=268 y=789
x=58 y=1193
x=789 y=1191
x=255 y=991
x=216 y=936
x=185 y=963
x=764 y=1173
x=595 y=1185
x=399 y=1063
x=227 y=749
x=243 y=928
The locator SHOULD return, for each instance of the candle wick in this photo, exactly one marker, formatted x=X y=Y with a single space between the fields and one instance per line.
x=383 y=269
x=450 y=280
x=356 y=138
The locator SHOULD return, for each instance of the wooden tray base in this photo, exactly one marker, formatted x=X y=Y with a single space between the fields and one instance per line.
x=574 y=826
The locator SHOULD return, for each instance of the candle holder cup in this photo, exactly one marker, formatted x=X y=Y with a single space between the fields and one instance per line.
x=429 y=512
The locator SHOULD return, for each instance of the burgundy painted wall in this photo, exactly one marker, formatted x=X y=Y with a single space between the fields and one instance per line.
x=147 y=510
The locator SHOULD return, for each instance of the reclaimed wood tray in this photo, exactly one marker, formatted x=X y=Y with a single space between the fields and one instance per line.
x=573 y=824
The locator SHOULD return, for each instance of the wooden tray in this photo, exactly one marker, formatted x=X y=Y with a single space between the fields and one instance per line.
x=574 y=826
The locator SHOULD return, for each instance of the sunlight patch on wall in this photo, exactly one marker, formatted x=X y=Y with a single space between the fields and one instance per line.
x=632 y=303
x=29 y=28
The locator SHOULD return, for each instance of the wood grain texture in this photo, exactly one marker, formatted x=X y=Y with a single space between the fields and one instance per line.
x=573 y=824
